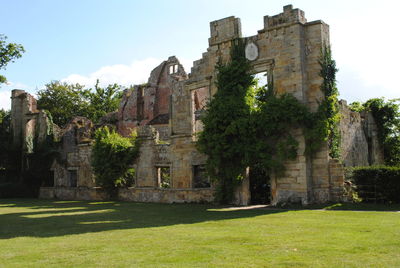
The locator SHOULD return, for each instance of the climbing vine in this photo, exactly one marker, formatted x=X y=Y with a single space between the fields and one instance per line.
x=271 y=124
x=328 y=111
x=226 y=132
x=246 y=125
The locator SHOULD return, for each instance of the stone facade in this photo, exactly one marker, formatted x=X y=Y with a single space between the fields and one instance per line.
x=166 y=114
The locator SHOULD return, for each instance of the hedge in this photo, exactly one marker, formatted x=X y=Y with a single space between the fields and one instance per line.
x=377 y=183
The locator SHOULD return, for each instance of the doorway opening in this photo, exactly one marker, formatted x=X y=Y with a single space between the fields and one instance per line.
x=260 y=186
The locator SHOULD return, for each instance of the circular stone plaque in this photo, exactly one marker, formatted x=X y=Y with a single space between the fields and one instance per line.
x=251 y=51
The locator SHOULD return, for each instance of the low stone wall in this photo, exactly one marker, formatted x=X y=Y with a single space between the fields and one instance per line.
x=73 y=193
x=153 y=195
x=166 y=195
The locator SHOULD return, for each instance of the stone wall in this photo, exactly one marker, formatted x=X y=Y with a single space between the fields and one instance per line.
x=130 y=194
x=359 y=138
x=30 y=127
x=72 y=167
x=149 y=104
x=287 y=49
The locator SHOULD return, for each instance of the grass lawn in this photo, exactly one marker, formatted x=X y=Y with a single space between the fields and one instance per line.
x=38 y=233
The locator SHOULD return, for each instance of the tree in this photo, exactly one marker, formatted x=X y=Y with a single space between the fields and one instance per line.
x=9 y=52
x=112 y=157
x=103 y=100
x=64 y=101
x=329 y=108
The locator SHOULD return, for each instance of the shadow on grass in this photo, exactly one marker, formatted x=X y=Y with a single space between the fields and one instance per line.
x=42 y=218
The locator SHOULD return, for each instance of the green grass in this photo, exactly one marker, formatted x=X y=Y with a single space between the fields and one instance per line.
x=37 y=233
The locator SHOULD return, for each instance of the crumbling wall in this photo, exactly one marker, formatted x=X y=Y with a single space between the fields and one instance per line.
x=149 y=104
x=30 y=127
x=74 y=159
x=32 y=132
x=375 y=150
x=359 y=138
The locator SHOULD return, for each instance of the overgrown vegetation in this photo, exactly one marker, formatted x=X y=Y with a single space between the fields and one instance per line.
x=24 y=169
x=112 y=159
x=40 y=158
x=10 y=162
x=387 y=119
x=272 y=121
x=377 y=183
x=64 y=101
x=248 y=126
x=328 y=110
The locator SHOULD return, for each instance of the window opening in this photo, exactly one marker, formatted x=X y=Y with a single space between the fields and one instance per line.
x=73 y=178
x=164 y=177
x=140 y=104
x=173 y=69
x=262 y=79
x=200 y=178
x=48 y=179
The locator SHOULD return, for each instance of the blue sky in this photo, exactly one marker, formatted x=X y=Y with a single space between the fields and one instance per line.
x=121 y=41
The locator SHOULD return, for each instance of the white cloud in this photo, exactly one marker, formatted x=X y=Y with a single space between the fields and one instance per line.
x=5 y=102
x=136 y=73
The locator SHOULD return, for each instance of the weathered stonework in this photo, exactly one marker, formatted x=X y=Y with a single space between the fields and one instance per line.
x=359 y=138
x=29 y=125
x=166 y=114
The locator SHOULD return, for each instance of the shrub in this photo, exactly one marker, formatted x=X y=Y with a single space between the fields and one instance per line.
x=112 y=157
x=377 y=183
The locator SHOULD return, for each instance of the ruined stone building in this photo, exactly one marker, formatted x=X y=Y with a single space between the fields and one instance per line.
x=166 y=113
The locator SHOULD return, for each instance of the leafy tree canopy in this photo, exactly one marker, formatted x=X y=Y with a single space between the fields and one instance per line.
x=9 y=52
x=64 y=101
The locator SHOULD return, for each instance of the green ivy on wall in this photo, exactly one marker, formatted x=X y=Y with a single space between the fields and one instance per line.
x=227 y=132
